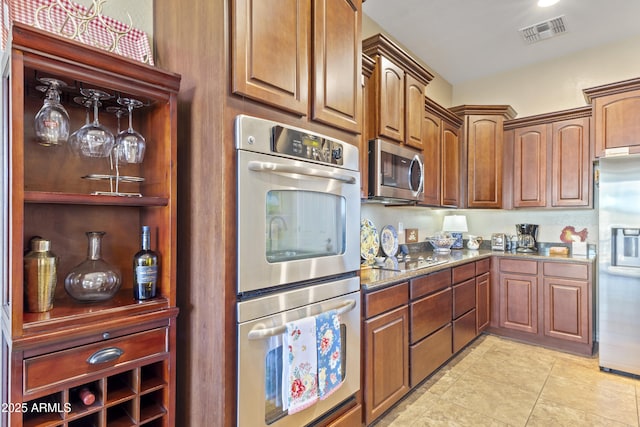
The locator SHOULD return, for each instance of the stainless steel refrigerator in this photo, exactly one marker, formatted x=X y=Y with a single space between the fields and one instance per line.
x=619 y=264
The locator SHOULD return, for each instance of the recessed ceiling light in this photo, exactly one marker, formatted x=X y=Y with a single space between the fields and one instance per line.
x=547 y=3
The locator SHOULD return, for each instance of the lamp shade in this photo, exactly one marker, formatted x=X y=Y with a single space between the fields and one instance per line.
x=455 y=223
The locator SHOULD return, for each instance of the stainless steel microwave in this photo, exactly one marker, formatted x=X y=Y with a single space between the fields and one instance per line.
x=396 y=172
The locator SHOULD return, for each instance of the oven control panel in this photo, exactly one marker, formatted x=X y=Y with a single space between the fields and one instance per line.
x=307 y=146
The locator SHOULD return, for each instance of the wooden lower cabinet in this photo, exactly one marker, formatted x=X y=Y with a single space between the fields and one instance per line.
x=483 y=302
x=519 y=302
x=351 y=418
x=464 y=297
x=430 y=353
x=464 y=305
x=411 y=329
x=430 y=313
x=567 y=300
x=129 y=377
x=546 y=302
x=386 y=376
x=464 y=330
x=518 y=295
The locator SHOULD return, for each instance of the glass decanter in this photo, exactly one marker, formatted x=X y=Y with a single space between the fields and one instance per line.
x=94 y=279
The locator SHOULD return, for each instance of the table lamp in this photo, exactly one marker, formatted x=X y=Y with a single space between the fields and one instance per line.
x=455 y=225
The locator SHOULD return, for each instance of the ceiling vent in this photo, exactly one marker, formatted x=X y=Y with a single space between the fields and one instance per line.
x=544 y=30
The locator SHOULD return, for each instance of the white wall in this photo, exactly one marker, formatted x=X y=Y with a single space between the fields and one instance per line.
x=438 y=89
x=554 y=85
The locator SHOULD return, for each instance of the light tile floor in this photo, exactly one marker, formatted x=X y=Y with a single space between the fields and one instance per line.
x=500 y=382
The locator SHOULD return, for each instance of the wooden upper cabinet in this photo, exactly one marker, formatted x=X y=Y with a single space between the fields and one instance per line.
x=530 y=167
x=368 y=66
x=270 y=52
x=551 y=159
x=389 y=79
x=414 y=111
x=432 y=143
x=450 y=196
x=441 y=149
x=616 y=108
x=271 y=47
x=337 y=50
x=485 y=162
x=570 y=163
x=398 y=86
x=483 y=145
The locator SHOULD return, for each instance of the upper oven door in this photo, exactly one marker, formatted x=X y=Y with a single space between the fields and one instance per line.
x=297 y=221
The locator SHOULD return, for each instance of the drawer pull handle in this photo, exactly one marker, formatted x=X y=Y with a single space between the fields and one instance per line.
x=105 y=355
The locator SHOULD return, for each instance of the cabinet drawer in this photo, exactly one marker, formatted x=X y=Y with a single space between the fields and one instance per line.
x=429 y=354
x=483 y=266
x=464 y=297
x=464 y=330
x=430 y=283
x=353 y=417
x=566 y=269
x=463 y=272
x=429 y=314
x=67 y=365
x=377 y=302
x=518 y=266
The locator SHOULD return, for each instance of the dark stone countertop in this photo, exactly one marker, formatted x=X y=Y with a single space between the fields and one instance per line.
x=373 y=278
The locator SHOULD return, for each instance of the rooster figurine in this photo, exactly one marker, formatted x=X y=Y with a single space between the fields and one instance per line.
x=569 y=233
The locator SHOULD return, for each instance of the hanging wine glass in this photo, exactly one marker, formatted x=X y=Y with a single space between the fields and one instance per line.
x=52 y=121
x=130 y=144
x=95 y=139
x=74 y=141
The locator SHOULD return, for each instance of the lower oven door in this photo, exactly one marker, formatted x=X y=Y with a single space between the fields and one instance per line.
x=261 y=324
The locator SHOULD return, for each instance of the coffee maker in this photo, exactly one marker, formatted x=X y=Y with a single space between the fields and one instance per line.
x=527 y=234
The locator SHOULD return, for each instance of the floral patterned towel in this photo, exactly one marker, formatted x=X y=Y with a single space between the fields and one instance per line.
x=329 y=353
x=300 y=365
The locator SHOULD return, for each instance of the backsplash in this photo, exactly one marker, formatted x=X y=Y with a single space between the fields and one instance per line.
x=484 y=222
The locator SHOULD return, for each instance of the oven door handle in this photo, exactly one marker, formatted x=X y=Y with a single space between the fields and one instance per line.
x=258 y=166
x=260 y=332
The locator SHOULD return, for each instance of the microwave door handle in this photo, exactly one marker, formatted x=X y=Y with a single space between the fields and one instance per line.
x=259 y=331
x=416 y=159
x=258 y=166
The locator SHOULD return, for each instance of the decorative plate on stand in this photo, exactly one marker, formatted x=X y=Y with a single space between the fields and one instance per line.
x=389 y=240
x=369 y=240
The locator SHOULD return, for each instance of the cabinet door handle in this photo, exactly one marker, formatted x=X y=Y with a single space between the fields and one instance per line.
x=105 y=355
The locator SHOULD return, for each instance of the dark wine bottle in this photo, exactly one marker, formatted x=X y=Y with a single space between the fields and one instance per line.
x=145 y=269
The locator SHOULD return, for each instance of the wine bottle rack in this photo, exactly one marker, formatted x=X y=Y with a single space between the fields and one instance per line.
x=130 y=398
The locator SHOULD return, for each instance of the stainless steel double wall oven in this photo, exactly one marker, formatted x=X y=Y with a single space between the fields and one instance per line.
x=298 y=256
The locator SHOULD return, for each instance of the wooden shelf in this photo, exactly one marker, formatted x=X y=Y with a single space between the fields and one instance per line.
x=68 y=312
x=90 y=199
